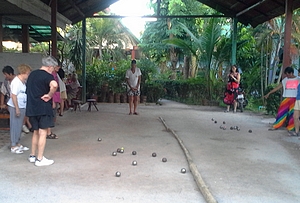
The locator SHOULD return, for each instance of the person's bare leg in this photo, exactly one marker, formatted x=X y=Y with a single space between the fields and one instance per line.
x=27 y=122
x=62 y=105
x=234 y=106
x=41 y=143
x=135 y=103
x=130 y=99
x=296 y=120
x=34 y=142
x=66 y=104
x=49 y=131
x=228 y=107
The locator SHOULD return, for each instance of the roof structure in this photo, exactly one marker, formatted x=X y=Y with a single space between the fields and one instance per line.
x=253 y=12
x=37 y=33
x=38 y=12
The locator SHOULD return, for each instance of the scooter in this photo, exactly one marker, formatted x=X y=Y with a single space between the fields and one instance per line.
x=242 y=102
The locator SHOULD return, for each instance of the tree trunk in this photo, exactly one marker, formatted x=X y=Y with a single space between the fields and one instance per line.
x=275 y=60
x=186 y=67
x=193 y=66
x=173 y=53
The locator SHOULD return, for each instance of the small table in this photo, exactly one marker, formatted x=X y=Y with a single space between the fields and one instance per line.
x=92 y=101
x=77 y=104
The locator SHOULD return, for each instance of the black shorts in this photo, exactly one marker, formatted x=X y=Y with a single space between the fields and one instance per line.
x=41 y=122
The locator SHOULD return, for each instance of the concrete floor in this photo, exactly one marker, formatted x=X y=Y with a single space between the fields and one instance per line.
x=237 y=166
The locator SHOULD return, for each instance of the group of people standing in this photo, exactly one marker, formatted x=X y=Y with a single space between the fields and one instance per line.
x=33 y=97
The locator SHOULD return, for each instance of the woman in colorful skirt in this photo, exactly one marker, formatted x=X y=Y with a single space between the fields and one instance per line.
x=286 y=108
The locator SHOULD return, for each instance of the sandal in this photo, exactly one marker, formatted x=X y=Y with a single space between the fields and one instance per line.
x=130 y=113
x=293 y=134
x=135 y=113
x=272 y=129
x=52 y=136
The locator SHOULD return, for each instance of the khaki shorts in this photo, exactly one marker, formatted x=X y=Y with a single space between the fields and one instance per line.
x=297 y=105
x=63 y=95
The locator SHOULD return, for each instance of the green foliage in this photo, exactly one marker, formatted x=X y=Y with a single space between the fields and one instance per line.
x=11 y=50
x=193 y=90
x=149 y=73
x=75 y=46
x=42 y=47
x=105 y=72
x=113 y=74
x=154 y=90
x=273 y=101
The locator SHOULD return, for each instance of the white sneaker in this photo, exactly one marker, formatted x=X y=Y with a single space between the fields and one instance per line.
x=31 y=159
x=43 y=162
x=21 y=147
x=25 y=129
x=16 y=150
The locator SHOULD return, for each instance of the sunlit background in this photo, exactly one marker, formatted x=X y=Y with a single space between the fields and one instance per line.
x=133 y=8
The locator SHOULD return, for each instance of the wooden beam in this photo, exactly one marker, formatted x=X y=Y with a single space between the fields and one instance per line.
x=53 y=28
x=1 y=35
x=76 y=7
x=169 y=16
x=287 y=35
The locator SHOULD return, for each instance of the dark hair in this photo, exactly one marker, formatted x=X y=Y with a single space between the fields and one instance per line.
x=133 y=61
x=237 y=70
x=61 y=73
x=8 y=69
x=58 y=62
x=288 y=70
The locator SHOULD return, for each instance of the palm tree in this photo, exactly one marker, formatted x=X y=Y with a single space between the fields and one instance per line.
x=74 y=45
x=271 y=35
x=108 y=35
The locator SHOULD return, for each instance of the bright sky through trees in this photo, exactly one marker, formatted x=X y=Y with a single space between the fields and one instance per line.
x=132 y=8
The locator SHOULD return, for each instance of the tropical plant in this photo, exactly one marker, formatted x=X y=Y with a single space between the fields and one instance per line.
x=107 y=35
x=75 y=46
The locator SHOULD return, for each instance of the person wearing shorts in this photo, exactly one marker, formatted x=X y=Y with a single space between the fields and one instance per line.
x=133 y=80
x=40 y=88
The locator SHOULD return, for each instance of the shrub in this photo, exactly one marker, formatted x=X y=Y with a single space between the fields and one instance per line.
x=273 y=101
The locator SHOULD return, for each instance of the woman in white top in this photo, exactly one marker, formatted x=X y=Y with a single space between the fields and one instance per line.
x=16 y=106
x=133 y=80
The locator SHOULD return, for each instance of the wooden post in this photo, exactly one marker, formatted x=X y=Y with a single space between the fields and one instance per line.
x=287 y=35
x=53 y=28
x=25 y=39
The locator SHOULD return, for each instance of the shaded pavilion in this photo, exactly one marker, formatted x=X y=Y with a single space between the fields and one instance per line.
x=50 y=14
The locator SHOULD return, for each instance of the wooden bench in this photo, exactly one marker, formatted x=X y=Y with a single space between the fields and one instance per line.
x=4 y=117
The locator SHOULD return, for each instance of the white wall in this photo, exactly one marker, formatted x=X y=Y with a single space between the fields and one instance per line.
x=34 y=60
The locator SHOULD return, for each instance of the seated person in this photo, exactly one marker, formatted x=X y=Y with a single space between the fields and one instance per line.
x=72 y=89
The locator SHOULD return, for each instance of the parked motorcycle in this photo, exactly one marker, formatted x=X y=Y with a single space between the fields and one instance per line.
x=242 y=102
